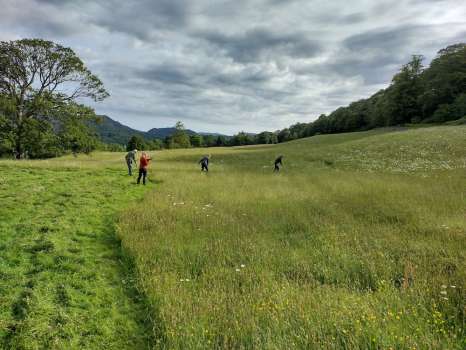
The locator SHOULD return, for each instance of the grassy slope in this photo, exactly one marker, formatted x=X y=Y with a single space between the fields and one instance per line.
x=63 y=282
x=358 y=243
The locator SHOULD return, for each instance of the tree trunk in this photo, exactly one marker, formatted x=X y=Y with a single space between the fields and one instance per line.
x=19 y=137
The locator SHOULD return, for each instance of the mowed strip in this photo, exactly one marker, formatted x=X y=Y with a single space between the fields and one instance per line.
x=64 y=282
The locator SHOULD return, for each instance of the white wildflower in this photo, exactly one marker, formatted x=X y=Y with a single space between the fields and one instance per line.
x=443 y=292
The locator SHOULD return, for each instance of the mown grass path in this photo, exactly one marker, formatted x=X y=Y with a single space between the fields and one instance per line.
x=64 y=283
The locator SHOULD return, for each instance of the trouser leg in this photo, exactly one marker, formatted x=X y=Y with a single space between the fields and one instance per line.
x=130 y=168
x=140 y=175
x=144 y=176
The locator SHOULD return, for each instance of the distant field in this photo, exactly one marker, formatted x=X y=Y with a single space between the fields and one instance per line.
x=358 y=243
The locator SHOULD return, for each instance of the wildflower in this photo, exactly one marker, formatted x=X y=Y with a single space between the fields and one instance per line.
x=243 y=266
x=444 y=298
x=453 y=286
x=443 y=292
x=237 y=270
x=444 y=286
x=187 y=279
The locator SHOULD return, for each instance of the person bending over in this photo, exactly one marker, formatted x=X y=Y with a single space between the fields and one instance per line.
x=205 y=163
x=278 y=163
x=143 y=165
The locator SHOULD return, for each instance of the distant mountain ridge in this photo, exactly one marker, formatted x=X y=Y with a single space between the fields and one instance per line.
x=111 y=131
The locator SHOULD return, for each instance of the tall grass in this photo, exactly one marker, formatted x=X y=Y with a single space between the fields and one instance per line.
x=358 y=243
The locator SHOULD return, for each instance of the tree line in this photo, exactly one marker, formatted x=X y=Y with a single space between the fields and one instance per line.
x=436 y=94
x=42 y=84
x=181 y=139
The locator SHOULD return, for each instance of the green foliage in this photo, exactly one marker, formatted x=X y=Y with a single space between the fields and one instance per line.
x=242 y=139
x=416 y=95
x=180 y=137
x=154 y=144
x=136 y=142
x=111 y=147
x=210 y=140
x=445 y=79
x=453 y=111
x=404 y=93
x=221 y=141
x=266 y=137
x=40 y=140
x=196 y=140
x=74 y=132
x=40 y=79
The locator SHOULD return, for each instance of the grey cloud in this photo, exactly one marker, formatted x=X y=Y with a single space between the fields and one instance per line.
x=386 y=39
x=259 y=43
x=237 y=64
x=141 y=18
x=166 y=73
x=353 y=18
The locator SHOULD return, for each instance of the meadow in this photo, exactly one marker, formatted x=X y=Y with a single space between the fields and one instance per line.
x=358 y=243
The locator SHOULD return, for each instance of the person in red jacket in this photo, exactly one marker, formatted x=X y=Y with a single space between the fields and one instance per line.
x=143 y=164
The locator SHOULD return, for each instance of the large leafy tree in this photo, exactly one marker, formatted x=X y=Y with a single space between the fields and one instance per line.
x=445 y=80
x=180 y=136
x=40 y=79
x=405 y=92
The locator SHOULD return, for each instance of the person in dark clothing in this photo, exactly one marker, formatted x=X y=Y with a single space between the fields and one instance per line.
x=204 y=163
x=130 y=159
x=278 y=163
x=143 y=164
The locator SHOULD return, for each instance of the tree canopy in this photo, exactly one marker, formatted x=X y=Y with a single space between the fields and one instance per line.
x=40 y=83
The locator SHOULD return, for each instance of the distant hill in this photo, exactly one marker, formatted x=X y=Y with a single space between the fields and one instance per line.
x=111 y=131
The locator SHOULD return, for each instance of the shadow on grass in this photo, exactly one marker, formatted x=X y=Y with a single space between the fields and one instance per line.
x=146 y=313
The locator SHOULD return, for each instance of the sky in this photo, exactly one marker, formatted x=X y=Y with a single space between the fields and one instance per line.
x=241 y=65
